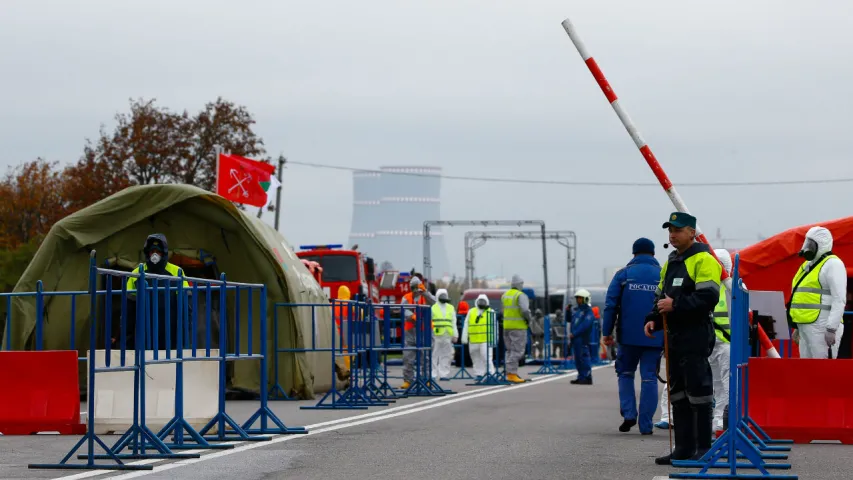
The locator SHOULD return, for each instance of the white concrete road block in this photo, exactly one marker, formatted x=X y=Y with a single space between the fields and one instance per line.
x=114 y=392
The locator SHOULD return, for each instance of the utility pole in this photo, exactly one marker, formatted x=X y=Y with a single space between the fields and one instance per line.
x=281 y=162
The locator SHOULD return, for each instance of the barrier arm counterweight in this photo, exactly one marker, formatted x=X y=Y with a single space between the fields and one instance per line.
x=650 y=158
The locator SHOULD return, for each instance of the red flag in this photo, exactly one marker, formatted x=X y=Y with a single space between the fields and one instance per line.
x=243 y=180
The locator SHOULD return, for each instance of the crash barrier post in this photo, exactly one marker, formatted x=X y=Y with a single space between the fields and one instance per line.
x=495 y=357
x=42 y=393
x=815 y=407
x=548 y=367
x=738 y=441
x=462 y=373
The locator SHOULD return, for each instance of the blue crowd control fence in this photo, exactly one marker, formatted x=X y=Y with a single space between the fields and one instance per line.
x=156 y=314
x=744 y=439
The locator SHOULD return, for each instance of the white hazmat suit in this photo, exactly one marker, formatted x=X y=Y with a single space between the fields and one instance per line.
x=442 y=344
x=816 y=338
x=721 y=355
x=481 y=352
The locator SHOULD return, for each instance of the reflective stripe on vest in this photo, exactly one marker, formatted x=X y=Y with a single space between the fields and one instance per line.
x=721 y=319
x=513 y=320
x=478 y=325
x=442 y=321
x=806 y=299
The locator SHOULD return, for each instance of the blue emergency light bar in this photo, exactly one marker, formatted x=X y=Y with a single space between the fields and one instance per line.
x=320 y=247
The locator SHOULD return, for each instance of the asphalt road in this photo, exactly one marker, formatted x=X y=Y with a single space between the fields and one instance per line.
x=547 y=429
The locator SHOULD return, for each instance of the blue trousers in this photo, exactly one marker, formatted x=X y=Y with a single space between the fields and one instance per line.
x=580 y=352
x=627 y=359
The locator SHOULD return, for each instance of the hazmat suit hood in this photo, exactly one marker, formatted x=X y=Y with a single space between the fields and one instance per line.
x=156 y=241
x=517 y=282
x=818 y=243
x=482 y=301
x=442 y=296
x=725 y=259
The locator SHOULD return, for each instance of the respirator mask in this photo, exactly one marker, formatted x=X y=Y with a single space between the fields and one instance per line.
x=444 y=300
x=155 y=258
x=482 y=305
x=809 y=251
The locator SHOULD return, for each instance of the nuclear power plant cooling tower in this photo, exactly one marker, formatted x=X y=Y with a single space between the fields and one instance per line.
x=389 y=210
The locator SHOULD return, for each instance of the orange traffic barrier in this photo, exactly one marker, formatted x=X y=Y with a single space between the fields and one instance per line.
x=40 y=393
x=803 y=399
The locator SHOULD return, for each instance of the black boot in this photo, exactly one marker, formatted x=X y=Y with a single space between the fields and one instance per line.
x=685 y=434
x=704 y=429
x=627 y=425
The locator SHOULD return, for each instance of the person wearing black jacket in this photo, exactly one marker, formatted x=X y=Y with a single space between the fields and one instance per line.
x=688 y=291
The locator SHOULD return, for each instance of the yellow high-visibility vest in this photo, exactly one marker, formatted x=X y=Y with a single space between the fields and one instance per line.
x=806 y=297
x=172 y=269
x=442 y=321
x=480 y=326
x=721 y=319
x=513 y=319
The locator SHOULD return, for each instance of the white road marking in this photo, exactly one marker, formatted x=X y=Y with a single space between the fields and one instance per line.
x=338 y=424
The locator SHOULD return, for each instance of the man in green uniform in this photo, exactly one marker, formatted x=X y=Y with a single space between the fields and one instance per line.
x=688 y=291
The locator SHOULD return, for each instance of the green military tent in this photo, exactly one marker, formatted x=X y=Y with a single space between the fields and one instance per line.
x=202 y=229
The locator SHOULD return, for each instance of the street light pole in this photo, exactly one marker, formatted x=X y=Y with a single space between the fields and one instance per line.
x=281 y=162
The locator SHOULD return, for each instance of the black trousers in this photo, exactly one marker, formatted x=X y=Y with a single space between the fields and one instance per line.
x=691 y=379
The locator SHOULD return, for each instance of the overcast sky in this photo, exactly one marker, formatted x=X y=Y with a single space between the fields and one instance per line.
x=728 y=90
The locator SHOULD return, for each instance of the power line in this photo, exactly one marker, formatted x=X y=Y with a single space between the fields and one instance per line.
x=579 y=183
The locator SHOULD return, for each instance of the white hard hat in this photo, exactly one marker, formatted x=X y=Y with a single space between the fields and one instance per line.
x=583 y=293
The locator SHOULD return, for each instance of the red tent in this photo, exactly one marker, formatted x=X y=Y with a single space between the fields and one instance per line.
x=772 y=263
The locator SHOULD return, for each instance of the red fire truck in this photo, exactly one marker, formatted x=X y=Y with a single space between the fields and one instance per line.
x=343 y=267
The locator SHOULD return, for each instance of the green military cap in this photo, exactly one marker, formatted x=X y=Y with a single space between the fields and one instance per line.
x=680 y=220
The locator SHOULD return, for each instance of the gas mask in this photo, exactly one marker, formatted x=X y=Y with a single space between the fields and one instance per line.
x=482 y=305
x=444 y=300
x=155 y=258
x=809 y=251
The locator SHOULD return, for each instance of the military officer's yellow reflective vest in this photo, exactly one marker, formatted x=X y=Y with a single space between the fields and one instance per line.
x=442 y=320
x=807 y=294
x=513 y=319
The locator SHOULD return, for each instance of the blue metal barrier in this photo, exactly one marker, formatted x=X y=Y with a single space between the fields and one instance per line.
x=739 y=441
x=139 y=439
x=462 y=373
x=548 y=367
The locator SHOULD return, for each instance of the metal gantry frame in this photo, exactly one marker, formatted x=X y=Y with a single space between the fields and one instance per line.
x=567 y=238
x=485 y=223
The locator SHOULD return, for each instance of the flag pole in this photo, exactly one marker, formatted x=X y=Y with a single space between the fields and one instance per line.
x=216 y=151
x=281 y=161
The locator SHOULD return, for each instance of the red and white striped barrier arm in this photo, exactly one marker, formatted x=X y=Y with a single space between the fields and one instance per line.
x=653 y=163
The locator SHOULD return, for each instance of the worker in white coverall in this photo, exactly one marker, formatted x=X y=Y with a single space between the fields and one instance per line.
x=818 y=296
x=516 y=318
x=721 y=353
x=444 y=335
x=664 y=422
x=479 y=331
